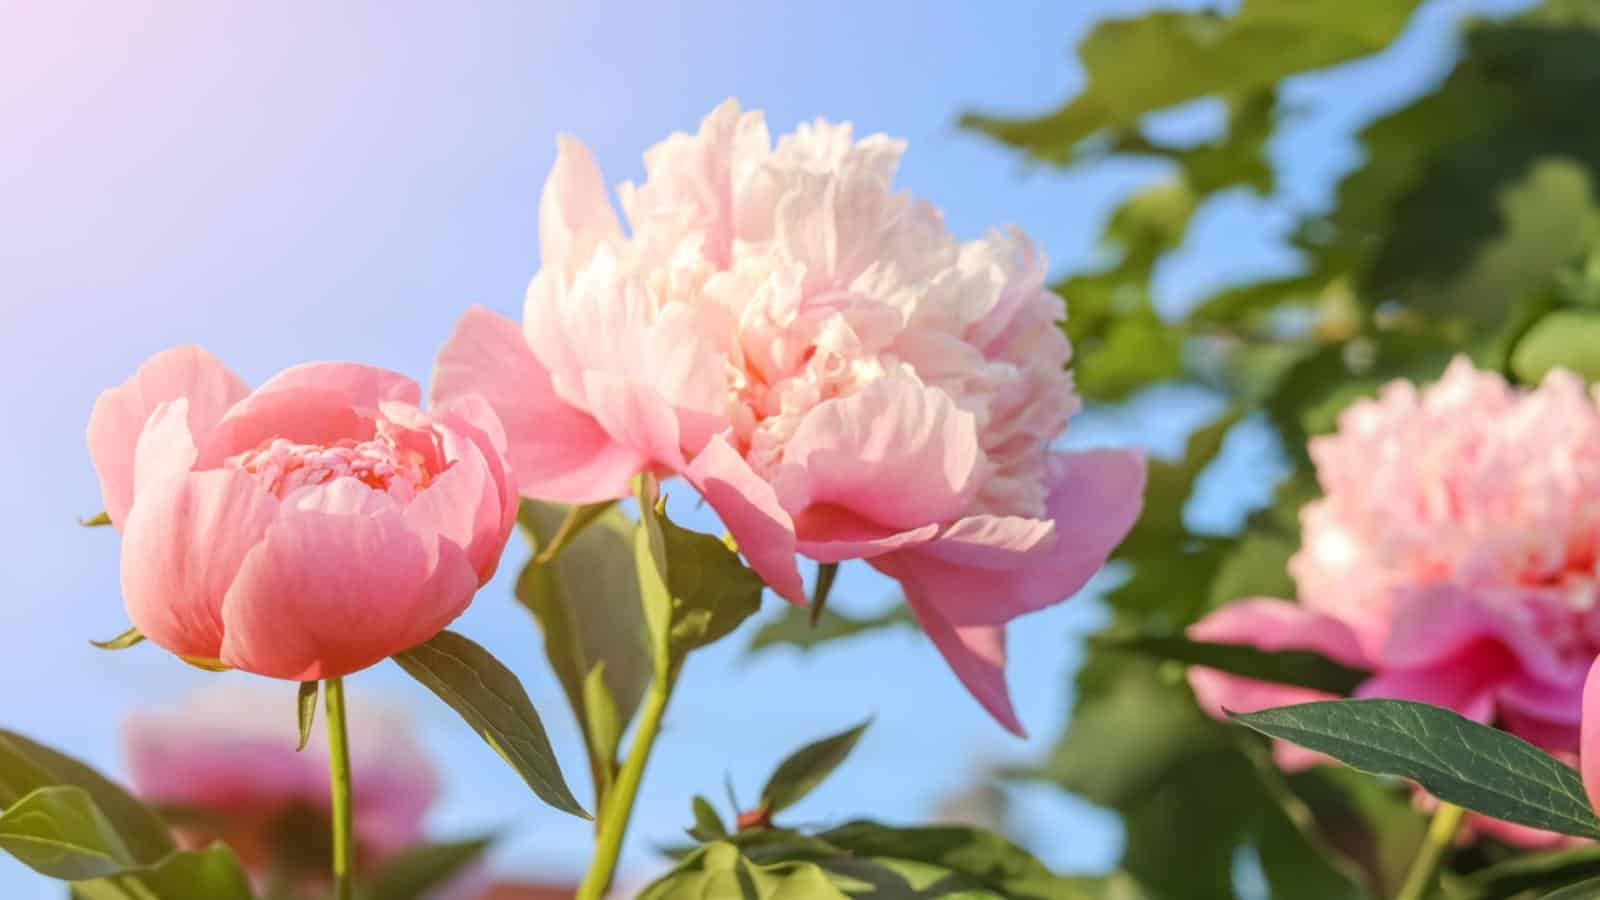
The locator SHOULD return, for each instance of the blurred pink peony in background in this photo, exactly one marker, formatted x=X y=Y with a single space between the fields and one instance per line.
x=1453 y=555
x=303 y=530
x=225 y=761
x=835 y=373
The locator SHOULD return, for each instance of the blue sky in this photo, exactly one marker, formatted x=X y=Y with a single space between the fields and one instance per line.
x=341 y=183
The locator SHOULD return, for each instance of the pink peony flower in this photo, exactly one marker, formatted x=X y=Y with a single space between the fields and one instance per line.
x=837 y=375
x=1453 y=555
x=303 y=530
x=231 y=767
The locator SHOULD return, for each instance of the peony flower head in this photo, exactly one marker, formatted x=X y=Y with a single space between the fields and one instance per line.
x=834 y=372
x=226 y=760
x=1453 y=554
x=303 y=530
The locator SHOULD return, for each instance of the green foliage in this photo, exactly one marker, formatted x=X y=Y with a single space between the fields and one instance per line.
x=1291 y=667
x=122 y=641
x=694 y=587
x=491 y=700
x=1470 y=227
x=1457 y=760
x=1528 y=873
x=306 y=710
x=415 y=872
x=800 y=773
x=27 y=766
x=794 y=628
x=594 y=634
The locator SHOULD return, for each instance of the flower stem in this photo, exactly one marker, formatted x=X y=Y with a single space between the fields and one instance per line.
x=1441 y=834
x=617 y=808
x=344 y=848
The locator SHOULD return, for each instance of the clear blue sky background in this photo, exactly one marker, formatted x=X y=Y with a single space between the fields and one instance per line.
x=283 y=183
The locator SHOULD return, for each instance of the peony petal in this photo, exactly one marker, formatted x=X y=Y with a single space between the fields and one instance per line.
x=557 y=452
x=574 y=214
x=897 y=453
x=831 y=534
x=976 y=654
x=364 y=387
x=472 y=417
x=749 y=508
x=637 y=416
x=304 y=415
x=120 y=413
x=1095 y=496
x=330 y=592
x=1589 y=736
x=184 y=543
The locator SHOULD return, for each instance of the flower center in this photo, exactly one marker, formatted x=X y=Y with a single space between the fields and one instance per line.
x=382 y=463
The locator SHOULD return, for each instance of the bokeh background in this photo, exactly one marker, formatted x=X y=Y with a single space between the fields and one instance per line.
x=291 y=182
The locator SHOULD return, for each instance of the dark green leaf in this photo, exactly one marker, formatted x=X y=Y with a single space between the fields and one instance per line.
x=1566 y=339
x=58 y=831
x=1298 y=668
x=307 y=702
x=803 y=770
x=1585 y=890
x=414 y=873
x=1455 y=759
x=26 y=766
x=826 y=573
x=695 y=588
x=122 y=641
x=1542 y=871
x=491 y=700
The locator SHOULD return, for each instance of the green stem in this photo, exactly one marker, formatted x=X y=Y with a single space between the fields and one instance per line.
x=617 y=808
x=344 y=847
x=1441 y=834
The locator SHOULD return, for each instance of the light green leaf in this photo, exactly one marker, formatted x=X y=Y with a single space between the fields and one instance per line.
x=602 y=724
x=98 y=520
x=719 y=871
x=801 y=772
x=58 y=831
x=1565 y=339
x=26 y=766
x=307 y=711
x=967 y=856
x=1457 y=760
x=694 y=588
x=122 y=641
x=793 y=628
x=1585 y=890
x=210 y=874
x=1298 y=668
x=708 y=825
x=415 y=872
x=586 y=601
x=491 y=700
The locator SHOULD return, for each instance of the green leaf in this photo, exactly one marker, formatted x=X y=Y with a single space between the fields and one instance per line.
x=210 y=874
x=491 y=700
x=826 y=573
x=1585 y=890
x=794 y=628
x=801 y=772
x=415 y=872
x=122 y=641
x=1256 y=566
x=586 y=601
x=602 y=724
x=967 y=856
x=1298 y=668
x=694 y=588
x=1531 y=872
x=578 y=518
x=98 y=520
x=708 y=825
x=1138 y=66
x=26 y=766
x=719 y=871
x=1455 y=759
x=1565 y=339
x=307 y=712
x=58 y=831
x=1168 y=486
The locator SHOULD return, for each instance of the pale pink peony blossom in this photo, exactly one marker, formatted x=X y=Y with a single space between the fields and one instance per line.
x=227 y=761
x=1453 y=555
x=835 y=373
x=303 y=530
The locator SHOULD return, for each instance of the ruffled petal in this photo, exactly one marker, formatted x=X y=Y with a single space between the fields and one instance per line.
x=574 y=214
x=749 y=508
x=976 y=654
x=897 y=453
x=119 y=414
x=341 y=581
x=470 y=416
x=557 y=452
